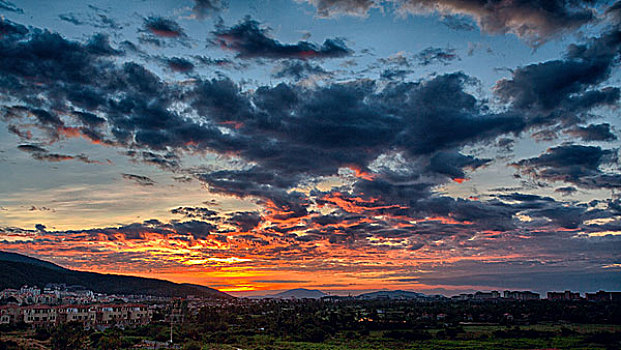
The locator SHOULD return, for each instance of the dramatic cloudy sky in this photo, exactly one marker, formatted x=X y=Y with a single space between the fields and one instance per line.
x=344 y=145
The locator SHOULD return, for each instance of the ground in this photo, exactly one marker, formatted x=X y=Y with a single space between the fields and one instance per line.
x=476 y=337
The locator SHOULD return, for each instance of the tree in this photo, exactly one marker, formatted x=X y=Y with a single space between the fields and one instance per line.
x=111 y=340
x=69 y=336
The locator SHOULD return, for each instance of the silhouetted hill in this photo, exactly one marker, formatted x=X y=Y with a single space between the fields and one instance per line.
x=6 y=256
x=17 y=270
x=392 y=294
x=299 y=293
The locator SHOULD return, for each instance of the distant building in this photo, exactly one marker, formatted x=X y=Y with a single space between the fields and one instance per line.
x=463 y=296
x=487 y=295
x=40 y=315
x=79 y=313
x=34 y=291
x=520 y=295
x=564 y=296
x=47 y=299
x=9 y=314
x=102 y=315
x=603 y=296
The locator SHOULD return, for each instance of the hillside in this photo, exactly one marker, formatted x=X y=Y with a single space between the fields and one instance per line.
x=17 y=270
x=392 y=294
x=299 y=293
x=14 y=257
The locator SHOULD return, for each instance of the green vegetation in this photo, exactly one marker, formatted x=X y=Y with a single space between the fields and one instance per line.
x=482 y=337
x=351 y=324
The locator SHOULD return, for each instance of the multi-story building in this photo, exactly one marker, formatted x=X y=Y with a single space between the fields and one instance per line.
x=520 y=295
x=10 y=314
x=104 y=315
x=487 y=295
x=78 y=313
x=40 y=315
x=139 y=314
x=565 y=296
x=47 y=299
x=603 y=296
x=30 y=290
x=463 y=296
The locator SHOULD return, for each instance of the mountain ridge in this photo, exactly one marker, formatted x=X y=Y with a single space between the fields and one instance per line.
x=13 y=274
x=392 y=294
x=296 y=293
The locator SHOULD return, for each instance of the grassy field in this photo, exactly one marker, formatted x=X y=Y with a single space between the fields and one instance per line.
x=476 y=337
x=522 y=343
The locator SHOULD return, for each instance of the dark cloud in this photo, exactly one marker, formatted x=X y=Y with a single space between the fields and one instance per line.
x=32 y=148
x=197 y=229
x=40 y=227
x=139 y=179
x=219 y=62
x=89 y=119
x=433 y=55
x=394 y=74
x=99 y=45
x=97 y=20
x=71 y=18
x=588 y=158
x=62 y=69
x=137 y=231
x=249 y=40
x=166 y=161
x=444 y=116
x=9 y=6
x=568 y=84
x=566 y=191
x=178 y=64
x=52 y=157
x=533 y=20
x=566 y=217
x=593 y=132
x=163 y=27
x=40 y=153
x=195 y=212
x=453 y=164
x=521 y=197
x=206 y=8
x=614 y=12
x=576 y=164
x=11 y=29
x=33 y=208
x=245 y=220
x=395 y=67
x=298 y=70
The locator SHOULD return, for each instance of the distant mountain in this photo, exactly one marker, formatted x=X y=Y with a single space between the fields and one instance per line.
x=299 y=293
x=17 y=270
x=392 y=294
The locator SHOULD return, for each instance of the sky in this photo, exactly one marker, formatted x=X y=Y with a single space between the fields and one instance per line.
x=343 y=145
